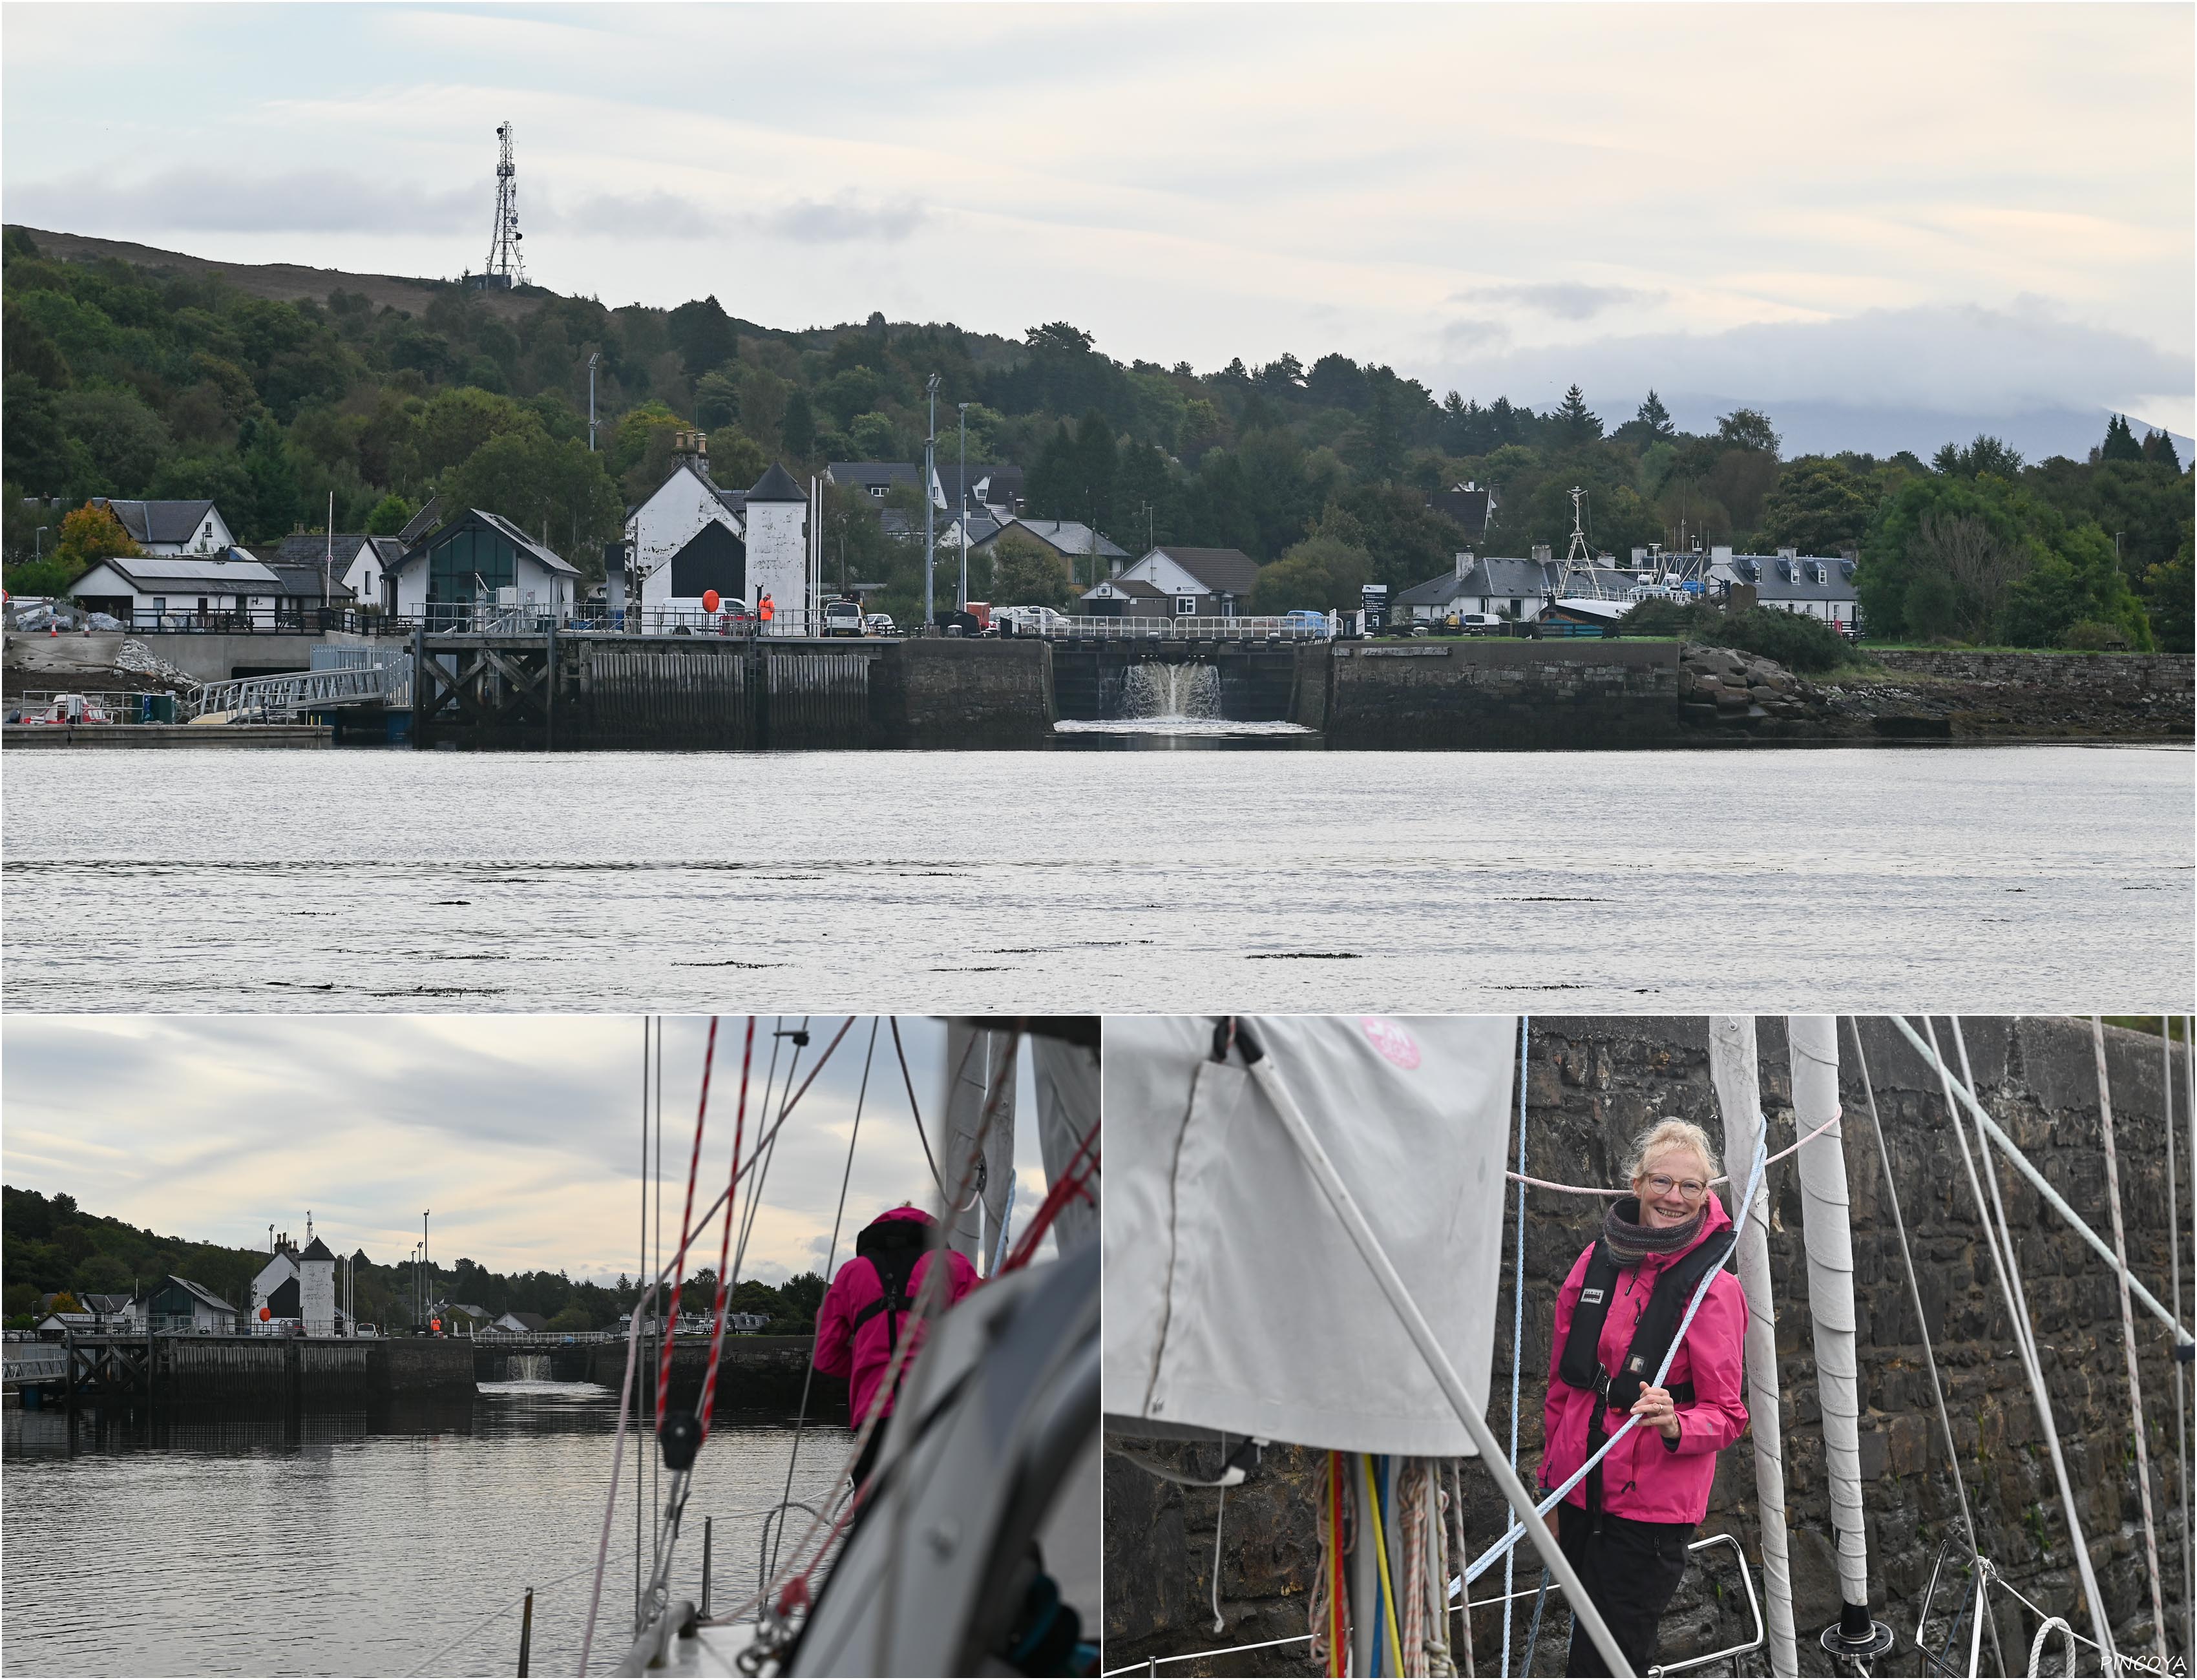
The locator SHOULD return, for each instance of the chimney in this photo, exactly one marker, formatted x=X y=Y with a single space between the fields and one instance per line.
x=1464 y=563
x=1542 y=551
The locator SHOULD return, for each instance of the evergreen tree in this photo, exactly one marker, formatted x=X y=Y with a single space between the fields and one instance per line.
x=1383 y=446
x=797 y=429
x=2120 y=440
x=1575 y=426
x=1655 y=417
x=2159 y=448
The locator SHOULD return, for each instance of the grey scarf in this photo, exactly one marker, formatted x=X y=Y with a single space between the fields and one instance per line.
x=1630 y=1242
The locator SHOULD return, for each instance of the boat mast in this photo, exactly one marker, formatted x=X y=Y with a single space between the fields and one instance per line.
x=1579 y=558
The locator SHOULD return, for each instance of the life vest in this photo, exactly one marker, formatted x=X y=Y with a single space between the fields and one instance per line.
x=768 y=610
x=892 y=1246
x=1652 y=1333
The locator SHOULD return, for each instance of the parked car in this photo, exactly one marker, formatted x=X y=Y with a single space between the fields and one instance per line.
x=843 y=619
x=1029 y=621
x=880 y=624
x=1304 y=618
x=1476 y=623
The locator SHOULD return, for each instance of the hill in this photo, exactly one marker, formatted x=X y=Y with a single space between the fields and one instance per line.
x=132 y=371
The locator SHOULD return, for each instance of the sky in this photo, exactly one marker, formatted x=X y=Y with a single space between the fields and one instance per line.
x=1878 y=221
x=520 y=1133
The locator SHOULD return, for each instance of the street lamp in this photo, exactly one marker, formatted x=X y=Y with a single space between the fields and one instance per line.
x=592 y=360
x=39 y=543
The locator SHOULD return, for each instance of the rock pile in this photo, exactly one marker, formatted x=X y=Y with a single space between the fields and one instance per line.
x=1722 y=686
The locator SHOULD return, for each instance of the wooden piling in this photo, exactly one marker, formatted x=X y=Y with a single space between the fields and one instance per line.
x=527 y=1633
x=706 y=1522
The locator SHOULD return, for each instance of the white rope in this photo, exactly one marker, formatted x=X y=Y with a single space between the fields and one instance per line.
x=1517 y=1317
x=1219 y=1516
x=2046 y=1629
x=1921 y=1322
x=2128 y=1343
x=1353 y=1221
x=2174 y=1262
x=1735 y=1070
x=2126 y=1664
x=2017 y=1308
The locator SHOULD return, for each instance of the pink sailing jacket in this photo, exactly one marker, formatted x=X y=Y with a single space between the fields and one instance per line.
x=1644 y=1477
x=862 y=1352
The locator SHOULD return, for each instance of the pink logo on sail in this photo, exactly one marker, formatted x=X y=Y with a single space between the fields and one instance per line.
x=1391 y=1041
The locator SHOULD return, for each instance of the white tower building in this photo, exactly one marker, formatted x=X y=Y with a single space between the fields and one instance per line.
x=316 y=1288
x=777 y=546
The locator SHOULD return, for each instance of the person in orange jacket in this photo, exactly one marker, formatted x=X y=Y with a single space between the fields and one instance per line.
x=765 y=611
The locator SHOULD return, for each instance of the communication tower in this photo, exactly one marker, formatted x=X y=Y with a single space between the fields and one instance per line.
x=506 y=267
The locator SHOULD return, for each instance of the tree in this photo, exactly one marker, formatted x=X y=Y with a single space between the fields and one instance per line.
x=1961 y=543
x=2075 y=586
x=1027 y=573
x=703 y=335
x=1816 y=507
x=1748 y=429
x=2120 y=442
x=1576 y=427
x=716 y=400
x=2169 y=585
x=2159 y=448
x=64 y=1302
x=1321 y=573
x=390 y=516
x=126 y=439
x=1987 y=455
x=573 y=1320
x=1656 y=418
x=557 y=492
x=797 y=428
x=88 y=536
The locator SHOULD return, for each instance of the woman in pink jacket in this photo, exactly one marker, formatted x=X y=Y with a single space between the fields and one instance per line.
x=865 y=1312
x=1626 y=1528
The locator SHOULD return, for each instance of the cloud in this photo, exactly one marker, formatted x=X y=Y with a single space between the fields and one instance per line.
x=1565 y=300
x=520 y=1133
x=1467 y=334
x=845 y=221
x=1965 y=363
x=319 y=201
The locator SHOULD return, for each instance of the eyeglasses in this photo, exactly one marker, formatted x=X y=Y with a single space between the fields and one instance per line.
x=1692 y=1188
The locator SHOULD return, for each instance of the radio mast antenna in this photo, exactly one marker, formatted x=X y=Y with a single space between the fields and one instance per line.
x=506 y=267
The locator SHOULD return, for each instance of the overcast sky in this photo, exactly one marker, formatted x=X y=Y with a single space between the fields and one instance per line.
x=1850 y=213
x=522 y=1133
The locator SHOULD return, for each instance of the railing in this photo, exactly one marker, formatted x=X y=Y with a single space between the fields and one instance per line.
x=312 y=621
x=35 y=1361
x=1182 y=629
x=104 y=705
x=387 y=683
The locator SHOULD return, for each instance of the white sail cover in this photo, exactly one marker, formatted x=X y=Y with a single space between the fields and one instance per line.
x=1235 y=1302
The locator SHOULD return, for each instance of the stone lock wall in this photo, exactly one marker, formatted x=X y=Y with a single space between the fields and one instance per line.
x=1493 y=693
x=1591 y=1085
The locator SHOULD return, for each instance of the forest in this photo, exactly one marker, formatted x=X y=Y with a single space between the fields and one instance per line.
x=47 y=1244
x=130 y=381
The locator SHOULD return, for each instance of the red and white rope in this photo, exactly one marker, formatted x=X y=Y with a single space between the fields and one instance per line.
x=686 y=1229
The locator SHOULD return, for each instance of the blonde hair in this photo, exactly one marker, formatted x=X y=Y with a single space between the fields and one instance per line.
x=1666 y=1133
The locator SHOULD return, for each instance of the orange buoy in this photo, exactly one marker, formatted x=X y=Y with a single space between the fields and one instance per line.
x=709 y=600
x=265 y=1313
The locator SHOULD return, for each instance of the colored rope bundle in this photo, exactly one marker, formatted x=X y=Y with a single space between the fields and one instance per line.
x=1329 y=1602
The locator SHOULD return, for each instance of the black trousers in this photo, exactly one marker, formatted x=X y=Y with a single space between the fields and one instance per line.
x=868 y=1460
x=1631 y=1571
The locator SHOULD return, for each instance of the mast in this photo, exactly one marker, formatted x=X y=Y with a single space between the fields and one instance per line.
x=505 y=269
x=1579 y=557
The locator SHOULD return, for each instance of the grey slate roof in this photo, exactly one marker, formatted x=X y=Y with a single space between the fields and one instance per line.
x=318 y=1251
x=422 y=522
x=777 y=485
x=153 y=574
x=548 y=559
x=1808 y=577
x=310 y=547
x=201 y=1293
x=1468 y=508
x=1228 y=571
x=1066 y=536
x=160 y=521
x=873 y=475
x=1492 y=576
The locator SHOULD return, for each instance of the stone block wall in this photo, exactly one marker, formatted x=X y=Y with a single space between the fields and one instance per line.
x=1591 y=1085
x=948 y=693
x=1500 y=694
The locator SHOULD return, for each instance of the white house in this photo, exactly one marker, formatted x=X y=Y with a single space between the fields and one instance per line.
x=526 y=1322
x=478 y=561
x=1200 y=582
x=361 y=578
x=171 y=527
x=1503 y=587
x=297 y=1284
x=689 y=536
x=1817 y=585
x=175 y=589
x=177 y=1305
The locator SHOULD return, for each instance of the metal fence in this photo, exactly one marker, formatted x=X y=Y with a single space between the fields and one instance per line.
x=386 y=682
x=1186 y=629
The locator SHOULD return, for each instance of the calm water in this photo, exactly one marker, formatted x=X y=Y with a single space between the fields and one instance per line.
x=2020 y=878
x=357 y=1547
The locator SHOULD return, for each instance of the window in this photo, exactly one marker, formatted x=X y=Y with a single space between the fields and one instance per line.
x=1185 y=604
x=469 y=562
